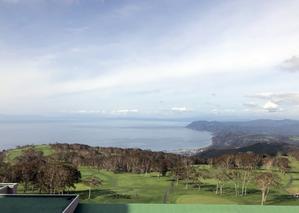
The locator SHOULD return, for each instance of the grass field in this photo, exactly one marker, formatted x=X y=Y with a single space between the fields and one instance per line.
x=124 y=188
x=293 y=186
x=13 y=153
x=139 y=188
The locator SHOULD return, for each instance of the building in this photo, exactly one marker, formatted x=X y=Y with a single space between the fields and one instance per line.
x=8 y=188
x=10 y=202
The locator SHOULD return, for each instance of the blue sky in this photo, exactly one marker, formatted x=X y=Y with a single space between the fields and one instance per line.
x=166 y=58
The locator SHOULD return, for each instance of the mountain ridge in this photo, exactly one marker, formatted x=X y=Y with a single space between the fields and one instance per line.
x=286 y=127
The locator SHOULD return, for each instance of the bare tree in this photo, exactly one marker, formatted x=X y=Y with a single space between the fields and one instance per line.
x=282 y=163
x=198 y=176
x=187 y=163
x=247 y=163
x=236 y=176
x=264 y=182
x=221 y=176
x=92 y=182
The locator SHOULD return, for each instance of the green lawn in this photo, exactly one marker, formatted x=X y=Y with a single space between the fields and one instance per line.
x=13 y=153
x=202 y=198
x=124 y=188
x=293 y=186
x=139 y=188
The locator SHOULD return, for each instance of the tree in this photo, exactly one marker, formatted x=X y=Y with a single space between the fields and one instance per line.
x=225 y=161
x=5 y=169
x=117 y=159
x=221 y=177
x=246 y=163
x=177 y=171
x=197 y=176
x=264 y=182
x=56 y=177
x=163 y=168
x=236 y=176
x=27 y=167
x=187 y=170
x=92 y=182
x=282 y=164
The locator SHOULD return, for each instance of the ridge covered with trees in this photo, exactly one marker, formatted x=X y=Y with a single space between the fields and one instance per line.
x=237 y=134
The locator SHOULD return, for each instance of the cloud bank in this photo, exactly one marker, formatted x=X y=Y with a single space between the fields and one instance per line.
x=291 y=64
x=144 y=57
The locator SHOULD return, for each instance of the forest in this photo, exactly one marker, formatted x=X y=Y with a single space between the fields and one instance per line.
x=66 y=168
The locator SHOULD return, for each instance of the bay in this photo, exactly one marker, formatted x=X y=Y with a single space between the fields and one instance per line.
x=144 y=134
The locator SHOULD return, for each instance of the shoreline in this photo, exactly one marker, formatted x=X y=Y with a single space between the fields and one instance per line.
x=156 y=137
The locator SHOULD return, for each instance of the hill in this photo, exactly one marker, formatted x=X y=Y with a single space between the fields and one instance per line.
x=266 y=148
x=263 y=127
x=236 y=134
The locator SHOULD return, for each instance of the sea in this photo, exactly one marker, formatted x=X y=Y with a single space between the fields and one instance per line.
x=153 y=135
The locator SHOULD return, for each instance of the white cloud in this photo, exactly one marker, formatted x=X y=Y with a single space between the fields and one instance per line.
x=274 y=102
x=224 y=41
x=291 y=98
x=88 y=112
x=243 y=45
x=124 y=111
x=291 y=64
x=270 y=106
x=180 y=109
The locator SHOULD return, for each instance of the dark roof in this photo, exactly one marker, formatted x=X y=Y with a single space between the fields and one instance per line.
x=182 y=208
x=35 y=203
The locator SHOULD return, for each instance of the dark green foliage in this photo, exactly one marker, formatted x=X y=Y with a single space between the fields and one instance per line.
x=45 y=174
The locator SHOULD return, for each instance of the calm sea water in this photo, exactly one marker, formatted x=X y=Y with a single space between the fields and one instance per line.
x=154 y=135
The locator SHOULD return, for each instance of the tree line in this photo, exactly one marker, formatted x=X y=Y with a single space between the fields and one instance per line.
x=59 y=172
x=238 y=168
x=119 y=159
x=38 y=172
x=241 y=169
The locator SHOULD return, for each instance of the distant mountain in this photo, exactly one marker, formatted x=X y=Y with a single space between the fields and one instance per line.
x=238 y=134
x=258 y=148
x=256 y=127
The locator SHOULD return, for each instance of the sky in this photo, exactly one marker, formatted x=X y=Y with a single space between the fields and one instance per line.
x=150 y=58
